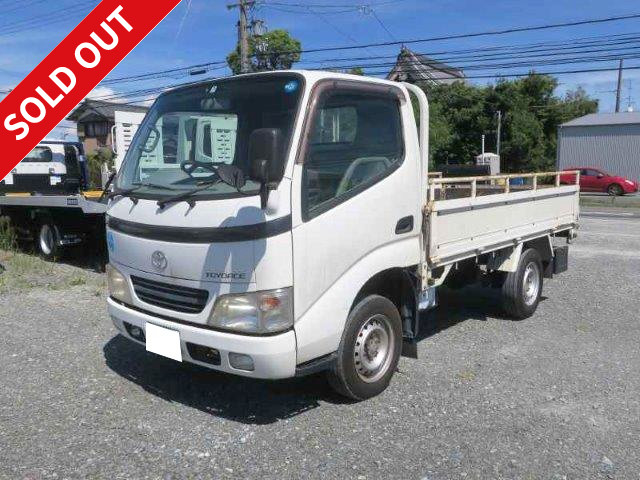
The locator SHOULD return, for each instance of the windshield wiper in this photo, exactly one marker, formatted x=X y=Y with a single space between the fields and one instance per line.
x=188 y=194
x=127 y=191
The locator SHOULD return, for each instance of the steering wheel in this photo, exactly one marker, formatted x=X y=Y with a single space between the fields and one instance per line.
x=190 y=166
x=229 y=174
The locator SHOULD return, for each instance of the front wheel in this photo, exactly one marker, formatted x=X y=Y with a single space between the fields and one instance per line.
x=369 y=350
x=615 y=190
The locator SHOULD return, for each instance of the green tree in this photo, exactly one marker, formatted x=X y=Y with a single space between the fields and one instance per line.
x=531 y=113
x=275 y=50
x=95 y=161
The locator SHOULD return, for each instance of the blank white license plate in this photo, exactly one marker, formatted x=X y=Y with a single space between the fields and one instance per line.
x=163 y=341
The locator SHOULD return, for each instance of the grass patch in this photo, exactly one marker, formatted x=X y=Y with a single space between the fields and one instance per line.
x=22 y=264
x=8 y=238
x=77 y=281
x=466 y=375
x=627 y=201
x=23 y=272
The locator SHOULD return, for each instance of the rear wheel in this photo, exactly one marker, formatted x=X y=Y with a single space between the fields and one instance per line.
x=522 y=289
x=369 y=350
x=47 y=241
x=615 y=190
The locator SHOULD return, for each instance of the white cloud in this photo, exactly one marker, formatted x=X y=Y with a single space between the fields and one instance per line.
x=104 y=93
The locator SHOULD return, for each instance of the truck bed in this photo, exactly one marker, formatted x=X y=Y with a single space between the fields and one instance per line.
x=87 y=202
x=470 y=216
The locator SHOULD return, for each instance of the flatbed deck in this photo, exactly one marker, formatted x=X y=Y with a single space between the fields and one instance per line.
x=468 y=216
x=87 y=202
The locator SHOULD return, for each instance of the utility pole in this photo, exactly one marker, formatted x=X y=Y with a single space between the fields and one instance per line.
x=619 y=89
x=498 y=134
x=243 y=34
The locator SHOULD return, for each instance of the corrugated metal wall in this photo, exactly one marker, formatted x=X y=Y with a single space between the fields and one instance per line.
x=614 y=148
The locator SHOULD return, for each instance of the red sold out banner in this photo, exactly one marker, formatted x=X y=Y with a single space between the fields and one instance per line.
x=71 y=71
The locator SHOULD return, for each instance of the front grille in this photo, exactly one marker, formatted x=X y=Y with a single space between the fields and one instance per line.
x=171 y=297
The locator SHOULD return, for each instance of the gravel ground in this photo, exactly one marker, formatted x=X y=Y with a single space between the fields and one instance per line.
x=551 y=397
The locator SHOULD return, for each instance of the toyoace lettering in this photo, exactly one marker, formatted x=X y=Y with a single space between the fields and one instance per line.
x=87 y=55
x=305 y=233
x=225 y=275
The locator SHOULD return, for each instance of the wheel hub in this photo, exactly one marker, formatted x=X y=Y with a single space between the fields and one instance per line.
x=374 y=348
x=46 y=239
x=531 y=283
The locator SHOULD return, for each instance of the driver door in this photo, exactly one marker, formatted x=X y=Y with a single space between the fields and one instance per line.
x=589 y=180
x=354 y=195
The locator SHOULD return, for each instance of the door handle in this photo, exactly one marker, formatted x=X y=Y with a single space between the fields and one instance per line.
x=404 y=225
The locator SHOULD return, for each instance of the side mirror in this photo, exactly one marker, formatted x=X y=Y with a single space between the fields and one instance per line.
x=265 y=158
x=600 y=175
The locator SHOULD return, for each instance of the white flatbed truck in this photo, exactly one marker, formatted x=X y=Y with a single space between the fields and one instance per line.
x=281 y=224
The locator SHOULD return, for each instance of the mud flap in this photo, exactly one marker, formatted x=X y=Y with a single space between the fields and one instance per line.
x=410 y=348
x=410 y=314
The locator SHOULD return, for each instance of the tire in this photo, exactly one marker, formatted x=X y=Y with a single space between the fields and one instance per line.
x=522 y=289
x=615 y=190
x=47 y=241
x=373 y=325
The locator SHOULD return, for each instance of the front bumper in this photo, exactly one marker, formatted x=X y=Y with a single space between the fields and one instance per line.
x=273 y=356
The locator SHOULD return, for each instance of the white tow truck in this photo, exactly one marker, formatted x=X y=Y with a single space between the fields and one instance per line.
x=47 y=201
x=285 y=223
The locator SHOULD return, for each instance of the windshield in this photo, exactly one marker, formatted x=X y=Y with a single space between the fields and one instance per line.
x=209 y=125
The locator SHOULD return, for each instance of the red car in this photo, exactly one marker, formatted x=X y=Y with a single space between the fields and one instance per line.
x=596 y=180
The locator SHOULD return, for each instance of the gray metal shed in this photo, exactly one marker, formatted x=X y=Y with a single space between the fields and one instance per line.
x=610 y=141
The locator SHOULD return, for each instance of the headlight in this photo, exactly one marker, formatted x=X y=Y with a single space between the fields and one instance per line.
x=629 y=182
x=118 y=285
x=268 y=311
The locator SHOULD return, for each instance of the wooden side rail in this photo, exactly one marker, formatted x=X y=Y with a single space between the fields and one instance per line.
x=440 y=182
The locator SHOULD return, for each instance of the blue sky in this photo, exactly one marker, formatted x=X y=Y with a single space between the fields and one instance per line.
x=200 y=31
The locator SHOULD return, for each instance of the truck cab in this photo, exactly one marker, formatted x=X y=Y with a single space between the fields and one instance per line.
x=53 y=166
x=272 y=225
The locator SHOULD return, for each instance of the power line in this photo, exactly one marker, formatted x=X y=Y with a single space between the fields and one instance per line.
x=48 y=15
x=326 y=6
x=155 y=90
x=325 y=20
x=508 y=50
x=544 y=49
x=468 y=35
x=471 y=35
x=535 y=74
x=436 y=66
x=22 y=6
x=475 y=63
x=375 y=15
x=310 y=11
x=60 y=15
x=159 y=74
x=144 y=93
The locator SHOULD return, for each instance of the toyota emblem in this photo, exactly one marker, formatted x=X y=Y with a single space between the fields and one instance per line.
x=158 y=260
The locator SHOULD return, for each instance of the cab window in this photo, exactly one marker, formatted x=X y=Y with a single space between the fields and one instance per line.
x=39 y=154
x=355 y=140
